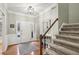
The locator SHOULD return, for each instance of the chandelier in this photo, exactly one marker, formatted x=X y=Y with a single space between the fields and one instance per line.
x=31 y=11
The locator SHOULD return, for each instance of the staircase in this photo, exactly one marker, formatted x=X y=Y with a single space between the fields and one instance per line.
x=66 y=42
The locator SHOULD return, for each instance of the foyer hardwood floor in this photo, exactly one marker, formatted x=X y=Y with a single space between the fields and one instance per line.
x=14 y=50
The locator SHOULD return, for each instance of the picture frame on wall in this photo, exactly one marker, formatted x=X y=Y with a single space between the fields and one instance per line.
x=12 y=26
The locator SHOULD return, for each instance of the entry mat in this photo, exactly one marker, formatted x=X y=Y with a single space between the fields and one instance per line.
x=26 y=48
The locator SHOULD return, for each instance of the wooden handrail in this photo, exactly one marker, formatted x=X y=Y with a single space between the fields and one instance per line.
x=43 y=36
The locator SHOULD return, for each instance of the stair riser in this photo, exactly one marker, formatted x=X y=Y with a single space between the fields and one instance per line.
x=69 y=29
x=67 y=46
x=68 y=39
x=70 y=25
x=72 y=34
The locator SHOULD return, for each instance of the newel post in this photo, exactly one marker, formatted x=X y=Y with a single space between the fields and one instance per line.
x=41 y=51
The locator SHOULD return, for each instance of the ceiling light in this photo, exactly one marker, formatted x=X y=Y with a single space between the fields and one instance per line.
x=31 y=11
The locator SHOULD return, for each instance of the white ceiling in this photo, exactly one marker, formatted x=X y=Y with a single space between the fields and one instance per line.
x=21 y=7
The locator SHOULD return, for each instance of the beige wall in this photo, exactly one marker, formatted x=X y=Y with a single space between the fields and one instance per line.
x=68 y=13
x=63 y=13
x=74 y=13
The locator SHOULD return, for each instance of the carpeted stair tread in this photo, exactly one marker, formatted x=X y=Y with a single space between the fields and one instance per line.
x=51 y=52
x=70 y=29
x=71 y=25
x=64 y=50
x=68 y=37
x=66 y=42
x=71 y=32
x=76 y=45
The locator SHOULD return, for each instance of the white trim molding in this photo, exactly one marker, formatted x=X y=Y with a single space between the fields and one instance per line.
x=49 y=8
x=19 y=13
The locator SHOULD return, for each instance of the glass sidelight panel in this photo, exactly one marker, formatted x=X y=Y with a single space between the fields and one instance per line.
x=18 y=27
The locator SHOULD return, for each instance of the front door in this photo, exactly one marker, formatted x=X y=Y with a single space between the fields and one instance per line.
x=24 y=31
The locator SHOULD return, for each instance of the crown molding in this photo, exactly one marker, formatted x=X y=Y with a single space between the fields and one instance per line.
x=16 y=13
x=22 y=14
x=53 y=6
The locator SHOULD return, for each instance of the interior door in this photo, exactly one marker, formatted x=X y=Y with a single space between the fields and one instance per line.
x=25 y=31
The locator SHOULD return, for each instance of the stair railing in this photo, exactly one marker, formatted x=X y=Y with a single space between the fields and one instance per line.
x=43 y=36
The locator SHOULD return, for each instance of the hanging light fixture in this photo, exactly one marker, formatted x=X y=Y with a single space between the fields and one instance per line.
x=31 y=11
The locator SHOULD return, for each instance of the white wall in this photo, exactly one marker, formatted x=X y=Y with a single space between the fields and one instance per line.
x=25 y=33
x=3 y=8
x=50 y=14
x=11 y=32
x=13 y=17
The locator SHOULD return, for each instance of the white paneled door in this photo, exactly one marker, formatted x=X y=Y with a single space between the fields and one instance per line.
x=25 y=31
